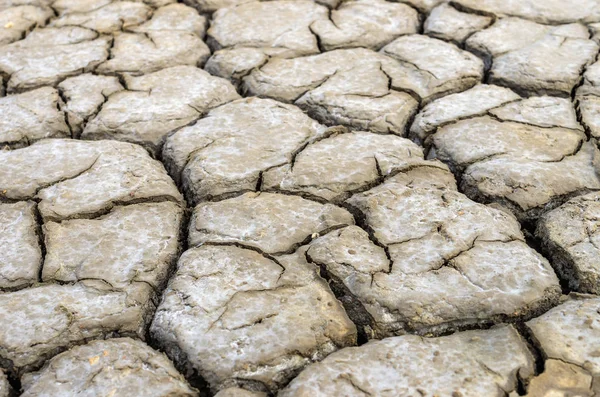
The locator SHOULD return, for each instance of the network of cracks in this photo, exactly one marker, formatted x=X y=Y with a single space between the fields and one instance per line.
x=300 y=198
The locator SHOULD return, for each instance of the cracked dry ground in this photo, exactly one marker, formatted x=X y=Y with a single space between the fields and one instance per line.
x=300 y=198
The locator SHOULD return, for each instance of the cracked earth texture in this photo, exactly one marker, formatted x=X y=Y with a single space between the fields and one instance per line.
x=255 y=198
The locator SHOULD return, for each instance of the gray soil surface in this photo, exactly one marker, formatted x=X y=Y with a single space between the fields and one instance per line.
x=259 y=198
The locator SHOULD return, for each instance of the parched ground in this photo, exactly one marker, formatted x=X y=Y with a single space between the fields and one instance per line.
x=300 y=198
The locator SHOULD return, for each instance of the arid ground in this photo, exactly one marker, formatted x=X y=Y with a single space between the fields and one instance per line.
x=300 y=198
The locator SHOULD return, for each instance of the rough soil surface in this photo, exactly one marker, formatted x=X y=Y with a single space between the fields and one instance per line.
x=243 y=282
x=362 y=23
x=228 y=314
x=571 y=237
x=237 y=392
x=427 y=255
x=47 y=56
x=473 y=102
x=153 y=105
x=107 y=18
x=535 y=59
x=84 y=95
x=447 y=23
x=83 y=179
x=229 y=150
x=289 y=32
x=567 y=337
x=106 y=366
x=490 y=363
x=45 y=320
x=5 y=389
x=32 y=116
x=526 y=155
x=173 y=36
x=587 y=99
x=422 y=66
x=265 y=198
x=131 y=244
x=22 y=256
x=334 y=168
x=21 y=19
x=94 y=272
x=272 y=223
x=548 y=12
